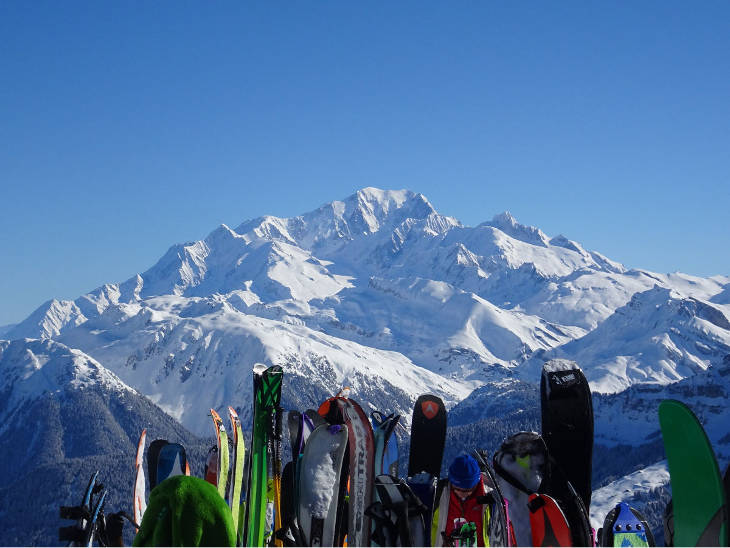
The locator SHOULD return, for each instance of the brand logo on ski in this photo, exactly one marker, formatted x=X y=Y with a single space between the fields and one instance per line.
x=430 y=409
x=563 y=378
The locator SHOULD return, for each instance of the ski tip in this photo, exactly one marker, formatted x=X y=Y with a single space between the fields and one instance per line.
x=344 y=393
x=672 y=404
x=559 y=364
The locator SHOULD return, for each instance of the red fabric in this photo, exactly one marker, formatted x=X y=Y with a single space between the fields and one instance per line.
x=468 y=509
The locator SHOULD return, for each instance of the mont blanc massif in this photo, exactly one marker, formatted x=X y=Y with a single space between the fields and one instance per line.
x=378 y=292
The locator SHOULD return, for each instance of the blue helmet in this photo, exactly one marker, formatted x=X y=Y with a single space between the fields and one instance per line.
x=464 y=472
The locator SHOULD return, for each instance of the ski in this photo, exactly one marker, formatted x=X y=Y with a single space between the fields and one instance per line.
x=698 y=493
x=75 y=534
x=567 y=422
x=211 y=466
x=499 y=526
x=346 y=411
x=267 y=396
x=171 y=461
x=428 y=438
x=386 y=443
x=274 y=436
x=239 y=452
x=139 y=502
x=548 y=522
x=301 y=425
x=223 y=455
x=91 y=527
x=320 y=485
x=152 y=455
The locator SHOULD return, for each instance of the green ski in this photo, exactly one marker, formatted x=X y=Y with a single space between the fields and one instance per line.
x=222 y=437
x=698 y=495
x=267 y=396
x=234 y=488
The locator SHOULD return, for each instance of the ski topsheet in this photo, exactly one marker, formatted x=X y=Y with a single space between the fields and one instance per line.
x=567 y=422
x=698 y=494
x=171 y=461
x=386 y=443
x=547 y=522
x=361 y=464
x=320 y=484
x=301 y=425
x=499 y=525
x=223 y=455
x=234 y=490
x=140 y=498
x=428 y=436
x=211 y=466
x=267 y=396
x=273 y=448
x=152 y=454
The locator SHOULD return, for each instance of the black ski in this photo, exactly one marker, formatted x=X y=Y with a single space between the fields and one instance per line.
x=428 y=436
x=567 y=422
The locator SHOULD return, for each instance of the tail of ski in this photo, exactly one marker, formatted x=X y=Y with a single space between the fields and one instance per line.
x=153 y=454
x=567 y=422
x=234 y=493
x=267 y=397
x=211 y=466
x=223 y=456
x=344 y=393
x=698 y=494
x=428 y=439
x=172 y=461
x=386 y=444
x=139 y=504
x=275 y=445
x=548 y=522
x=428 y=436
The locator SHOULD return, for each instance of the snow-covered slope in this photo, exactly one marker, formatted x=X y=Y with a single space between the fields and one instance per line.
x=631 y=416
x=647 y=490
x=659 y=337
x=64 y=417
x=189 y=354
x=382 y=292
x=30 y=369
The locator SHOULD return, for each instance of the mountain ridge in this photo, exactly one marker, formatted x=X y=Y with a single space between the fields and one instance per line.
x=382 y=273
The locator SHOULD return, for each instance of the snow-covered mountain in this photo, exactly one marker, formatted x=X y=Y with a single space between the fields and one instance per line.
x=63 y=417
x=382 y=293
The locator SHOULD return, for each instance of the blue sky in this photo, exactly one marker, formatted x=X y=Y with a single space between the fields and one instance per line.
x=127 y=127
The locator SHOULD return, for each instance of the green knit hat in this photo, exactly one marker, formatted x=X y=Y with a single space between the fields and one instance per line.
x=186 y=511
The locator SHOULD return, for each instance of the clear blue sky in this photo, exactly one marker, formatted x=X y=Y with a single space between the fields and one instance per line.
x=126 y=127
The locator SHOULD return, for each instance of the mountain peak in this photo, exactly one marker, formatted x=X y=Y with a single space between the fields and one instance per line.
x=508 y=224
x=375 y=206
